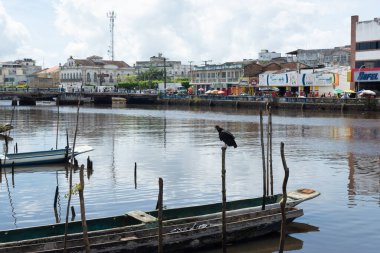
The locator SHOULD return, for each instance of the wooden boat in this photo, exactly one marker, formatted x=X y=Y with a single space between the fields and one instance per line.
x=5 y=128
x=185 y=228
x=41 y=157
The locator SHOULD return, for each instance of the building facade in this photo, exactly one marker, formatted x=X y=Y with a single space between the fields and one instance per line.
x=92 y=74
x=174 y=69
x=265 y=55
x=338 y=56
x=306 y=82
x=46 y=78
x=365 y=51
x=217 y=77
x=17 y=72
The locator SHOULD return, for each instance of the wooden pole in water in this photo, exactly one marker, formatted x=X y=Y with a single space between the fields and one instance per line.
x=56 y=197
x=13 y=174
x=160 y=201
x=83 y=210
x=72 y=213
x=263 y=158
x=267 y=162
x=283 y=201
x=270 y=151
x=135 y=175
x=70 y=177
x=56 y=138
x=224 y=198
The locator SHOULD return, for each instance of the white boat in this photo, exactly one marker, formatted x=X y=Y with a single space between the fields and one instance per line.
x=41 y=157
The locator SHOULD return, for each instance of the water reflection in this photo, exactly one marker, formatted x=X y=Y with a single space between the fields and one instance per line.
x=336 y=154
x=363 y=178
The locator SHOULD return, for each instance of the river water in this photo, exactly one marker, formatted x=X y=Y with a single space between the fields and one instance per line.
x=334 y=153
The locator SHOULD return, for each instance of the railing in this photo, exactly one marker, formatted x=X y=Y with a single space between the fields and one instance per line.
x=268 y=98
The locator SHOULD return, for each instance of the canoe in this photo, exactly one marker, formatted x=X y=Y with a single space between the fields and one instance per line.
x=184 y=228
x=41 y=157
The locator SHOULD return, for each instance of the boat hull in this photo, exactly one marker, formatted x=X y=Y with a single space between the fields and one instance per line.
x=40 y=157
x=186 y=234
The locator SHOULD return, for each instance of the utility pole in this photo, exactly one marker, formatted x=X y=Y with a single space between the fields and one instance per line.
x=207 y=62
x=112 y=17
x=191 y=74
x=165 y=74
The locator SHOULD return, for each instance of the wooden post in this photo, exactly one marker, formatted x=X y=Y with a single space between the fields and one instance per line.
x=70 y=177
x=72 y=213
x=67 y=145
x=160 y=201
x=55 y=204
x=83 y=210
x=1 y=172
x=56 y=138
x=270 y=151
x=224 y=226
x=283 y=201
x=16 y=148
x=135 y=175
x=263 y=158
x=56 y=197
x=13 y=174
x=267 y=162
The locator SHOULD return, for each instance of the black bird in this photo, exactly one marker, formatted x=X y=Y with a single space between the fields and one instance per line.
x=226 y=137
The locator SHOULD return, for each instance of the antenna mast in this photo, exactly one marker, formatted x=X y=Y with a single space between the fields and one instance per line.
x=112 y=17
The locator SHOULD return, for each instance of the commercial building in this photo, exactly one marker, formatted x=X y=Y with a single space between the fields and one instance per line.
x=365 y=54
x=17 y=72
x=46 y=78
x=92 y=74
x=174 y=69
x=221 y=77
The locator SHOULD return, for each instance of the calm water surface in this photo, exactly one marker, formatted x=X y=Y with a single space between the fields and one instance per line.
x=336 y=154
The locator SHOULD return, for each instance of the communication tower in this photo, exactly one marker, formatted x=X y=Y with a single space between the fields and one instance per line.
x=112 y=17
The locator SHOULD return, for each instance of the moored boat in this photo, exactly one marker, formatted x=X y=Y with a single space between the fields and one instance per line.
x=184 y=228
x=41 y=157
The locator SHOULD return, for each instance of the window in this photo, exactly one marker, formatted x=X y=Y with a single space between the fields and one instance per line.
x=88 y=78
x=95 y=77
x=111 y=78
x=371 y=45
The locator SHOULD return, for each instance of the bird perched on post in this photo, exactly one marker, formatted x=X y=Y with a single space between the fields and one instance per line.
x=226 y=137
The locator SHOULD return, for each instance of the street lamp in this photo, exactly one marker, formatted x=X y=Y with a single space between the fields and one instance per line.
x=362 y=66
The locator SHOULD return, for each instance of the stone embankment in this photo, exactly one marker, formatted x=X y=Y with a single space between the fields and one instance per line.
x=316 y=104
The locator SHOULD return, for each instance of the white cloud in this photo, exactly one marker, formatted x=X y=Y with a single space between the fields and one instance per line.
x=197 y=30
x=13 y=36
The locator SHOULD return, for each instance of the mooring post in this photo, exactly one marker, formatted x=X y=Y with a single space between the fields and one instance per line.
x=72 y=213
x=135 y=175
x=263 y=158
x=283 y=201
x=13 y=174
x=160 y=201
x=1 y=172
x=56 y=197
x=89 y=163
x=224 y=226
x=83 y=210
x=270 y=151
x=16 y=148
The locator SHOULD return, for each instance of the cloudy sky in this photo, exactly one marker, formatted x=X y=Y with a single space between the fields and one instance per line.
x=50 y=31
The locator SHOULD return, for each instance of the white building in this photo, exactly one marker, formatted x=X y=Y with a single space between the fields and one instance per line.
x=93 y=74
x=18 y=72
x=307 y=82
x=365 y=51
x=174 y=69
x=265 y=55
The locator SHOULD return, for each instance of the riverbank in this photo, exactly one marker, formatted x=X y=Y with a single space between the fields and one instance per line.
x=316 y=104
